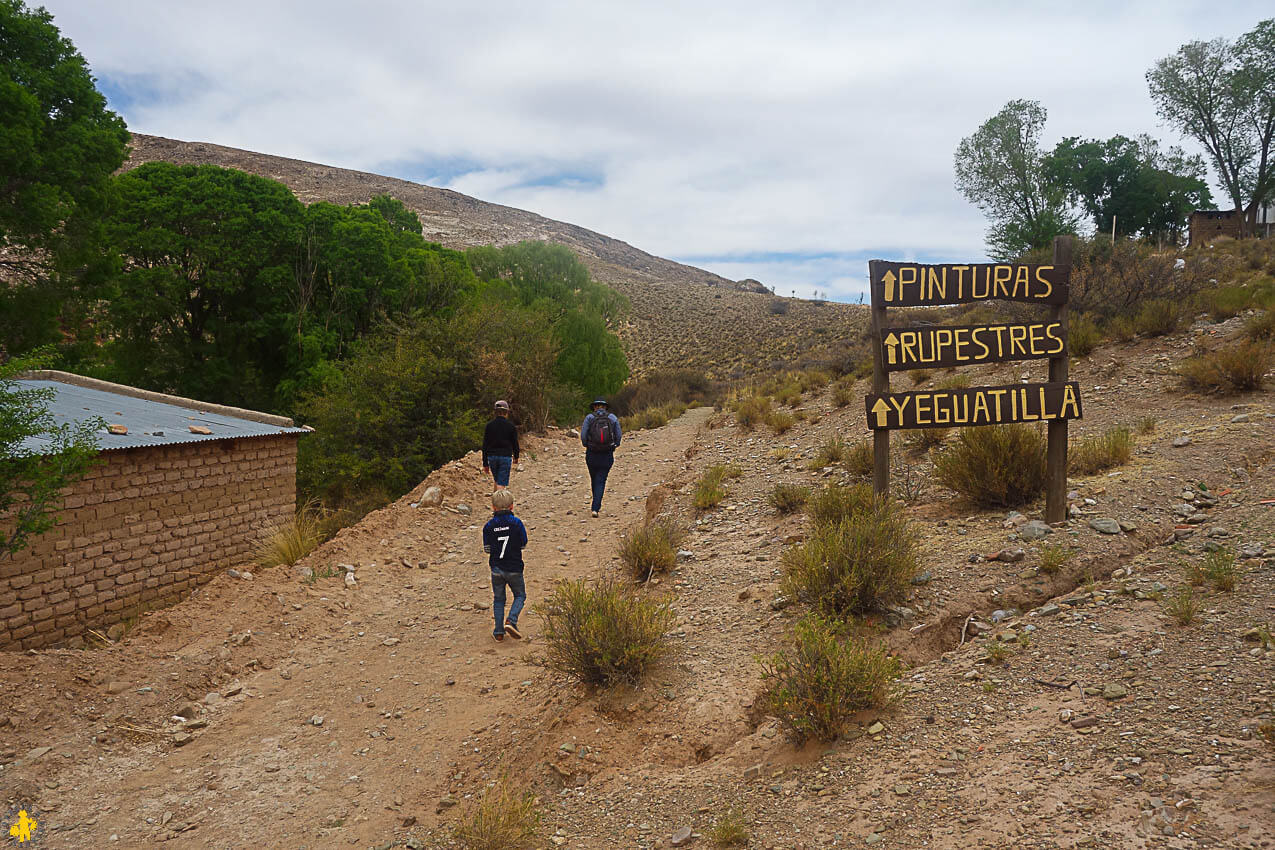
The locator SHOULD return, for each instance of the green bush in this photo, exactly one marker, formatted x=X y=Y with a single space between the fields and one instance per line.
x=1052 y=558
x=603 y=634
x=994 y=466
x=730 y=829
x=651 y=548
x=816 y=687
x=751 y=411
x=1221 y=571
x=780 y=422
x=789 y=498
x=1235 y=369
x=835 y=503
x=855 y=564
x=1100 y=452
x=709 y=490
x=1226 y=301
x=1157 y=317
x=1083 y=335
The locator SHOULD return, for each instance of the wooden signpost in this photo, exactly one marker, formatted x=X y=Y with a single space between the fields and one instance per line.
x=931 y=346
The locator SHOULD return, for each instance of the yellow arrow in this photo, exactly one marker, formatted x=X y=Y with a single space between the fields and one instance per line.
x=889 y=286
x=882 y=410
x=890 y=351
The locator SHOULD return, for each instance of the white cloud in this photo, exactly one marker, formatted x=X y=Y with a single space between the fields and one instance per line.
x=703 y=129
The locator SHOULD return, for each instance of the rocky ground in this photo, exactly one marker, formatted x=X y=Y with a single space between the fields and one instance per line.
x=369 y=713
x=682 y=316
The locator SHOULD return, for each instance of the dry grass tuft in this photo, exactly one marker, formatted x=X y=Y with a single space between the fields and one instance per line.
x=604 y=634
x=1235 y=369
x=859 y=459
x=788 y=498
x=995 y=466
x=1182 y=606
x=1100 y=452
x=651 y=548
x=504 y=819
x=292 y=540
x=730 y=829
x=1053 y=556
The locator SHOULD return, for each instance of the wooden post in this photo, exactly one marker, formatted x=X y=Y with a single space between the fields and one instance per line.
x=1056 y=470
x=880 y=384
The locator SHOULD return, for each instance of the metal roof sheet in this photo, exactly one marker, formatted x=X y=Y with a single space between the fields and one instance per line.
x=150 y=423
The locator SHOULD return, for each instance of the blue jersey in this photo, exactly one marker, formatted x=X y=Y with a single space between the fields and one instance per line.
x=504 y=535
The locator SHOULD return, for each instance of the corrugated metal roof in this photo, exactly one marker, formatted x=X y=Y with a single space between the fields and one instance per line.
x=149 y=422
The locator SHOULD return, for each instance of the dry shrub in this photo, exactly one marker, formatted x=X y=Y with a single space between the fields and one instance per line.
x=291 y=540
x=664 y=387
x=1052 y=557
x=1083 y=335
x=832 y=452
x=1100 y=452
x=859 y=459
x=1182 y=606
x=788 y=498
x=919 y=376
x=651 y=548
x=1145 y=425
x=1261 y=326
x=504 y=819
x=843 y=392
x=854 y=564
x=835 y=503
x=778 y=307
x=780 y=422
x=709 y=490
x=751 y=411
x=603 y=634
x=813 y=380
x=1108 y=281
x=653 y=417
x=1121 y=329
x=927 y=438
x=1226 y=301
x=954 y=382
x=995 y=465
x=730 y=829
x=1157 y=317
x=1237 y=368
x=1220 y=570
x=824 y=679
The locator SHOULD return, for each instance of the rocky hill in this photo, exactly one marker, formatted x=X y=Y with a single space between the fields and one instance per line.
x=682 y=315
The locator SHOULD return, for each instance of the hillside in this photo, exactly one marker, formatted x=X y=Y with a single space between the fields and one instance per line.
x=682 y=315
x=1038 y=708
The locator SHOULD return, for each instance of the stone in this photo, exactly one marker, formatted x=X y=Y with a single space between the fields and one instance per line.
x=233 y=573
x=1049 y=609
x=924 y=578
x=212 y=698
x=117 y=687
x=873 y=838
x=1035 y=530
x=752 y=772
x=181 y=739
x=876 y=728
x=234 y=690
x=1104 y=525
x=1252 y=550
x=1084 y=722
x=1128 y=527
x=1115 y=691
x=199 y=723
x=246 y=576
x=189 y=711
x=1180 y=442
x=392 y=641
x=1240 y=417
x=464 y=509
x=432 y=497
x=682 y=836
x=685 y=554
x=316 y=720
x=350 y=581
x=1009 y=556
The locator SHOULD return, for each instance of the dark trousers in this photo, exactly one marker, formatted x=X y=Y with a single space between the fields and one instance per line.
x=599 y=464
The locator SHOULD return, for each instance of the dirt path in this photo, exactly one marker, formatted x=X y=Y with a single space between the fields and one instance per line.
x=358 y=726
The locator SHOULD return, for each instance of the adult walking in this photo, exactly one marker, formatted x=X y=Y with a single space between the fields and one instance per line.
x=600 y=434
x=500 y=446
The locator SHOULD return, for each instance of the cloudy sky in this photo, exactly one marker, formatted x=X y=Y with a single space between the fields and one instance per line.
x=788 y=142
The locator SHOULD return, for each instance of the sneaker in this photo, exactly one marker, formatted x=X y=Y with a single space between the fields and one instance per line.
x=595 y=514
x=499 y=637
x=512 y=631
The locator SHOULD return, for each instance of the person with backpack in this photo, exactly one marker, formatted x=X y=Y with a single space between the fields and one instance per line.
x=500 y=446
x=600 y=434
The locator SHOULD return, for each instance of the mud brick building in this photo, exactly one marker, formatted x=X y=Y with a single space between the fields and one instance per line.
x=1207 y=225
x=184 y=493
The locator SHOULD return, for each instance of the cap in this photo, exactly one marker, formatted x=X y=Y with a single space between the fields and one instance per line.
x=502 y=405
x=599 y=401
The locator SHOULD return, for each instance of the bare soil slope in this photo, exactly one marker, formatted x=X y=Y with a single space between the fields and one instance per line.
x=682 y=315
x=372 y=715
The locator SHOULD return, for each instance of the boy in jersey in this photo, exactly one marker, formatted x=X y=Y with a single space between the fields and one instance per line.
x=504 y=537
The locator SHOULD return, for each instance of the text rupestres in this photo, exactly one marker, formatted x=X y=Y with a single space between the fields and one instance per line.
x=910 y=348
x=974 y=406
x=918 y=285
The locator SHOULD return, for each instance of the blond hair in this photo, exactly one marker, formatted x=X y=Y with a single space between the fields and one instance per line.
x=502 y=500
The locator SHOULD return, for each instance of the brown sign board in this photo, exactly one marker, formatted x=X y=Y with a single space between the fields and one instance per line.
x=936 y=346
x=958 y=408
x=921 y=285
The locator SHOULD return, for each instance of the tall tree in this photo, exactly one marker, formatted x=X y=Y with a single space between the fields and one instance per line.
x=1222 y=95
x=1130 y=182
x=59 y=145
x=999 y=169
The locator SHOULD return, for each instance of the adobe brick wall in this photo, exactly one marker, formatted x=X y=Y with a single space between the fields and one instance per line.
x=144 y=528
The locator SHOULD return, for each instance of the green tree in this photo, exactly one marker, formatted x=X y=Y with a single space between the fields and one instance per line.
x=200 y=306
x=1222 y=95
x=38 y=457
x=1000 y=169
x=59 y=145
x=1149 y=193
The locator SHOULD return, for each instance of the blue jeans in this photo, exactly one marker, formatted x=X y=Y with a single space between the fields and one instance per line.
x=599 y=464
x=500 y=578
x=500 y=466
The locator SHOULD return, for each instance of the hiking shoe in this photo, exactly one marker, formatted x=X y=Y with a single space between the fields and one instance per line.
x=595 y=513
x=499 y=637
x=512 y=631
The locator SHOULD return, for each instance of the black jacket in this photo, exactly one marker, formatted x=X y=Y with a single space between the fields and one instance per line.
x=500 y=438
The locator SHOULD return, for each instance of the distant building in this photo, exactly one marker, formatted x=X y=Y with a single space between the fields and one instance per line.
x=184 y=493
x=1207 y=225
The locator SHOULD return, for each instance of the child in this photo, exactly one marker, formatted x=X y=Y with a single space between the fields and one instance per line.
x=504 y=536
